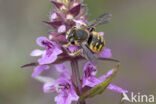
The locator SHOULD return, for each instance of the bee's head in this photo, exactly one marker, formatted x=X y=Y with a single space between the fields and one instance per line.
x=70 y=35
x=77 y=35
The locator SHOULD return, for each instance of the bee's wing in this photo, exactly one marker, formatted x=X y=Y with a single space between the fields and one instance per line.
x=90 y=56
x=104 y=18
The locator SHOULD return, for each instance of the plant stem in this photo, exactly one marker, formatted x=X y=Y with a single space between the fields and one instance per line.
x=76 y=78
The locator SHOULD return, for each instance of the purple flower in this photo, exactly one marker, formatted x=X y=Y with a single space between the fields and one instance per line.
x=89 y=73
x=65 y=90
x=63 y=86
x=90 y=80
x=50 y=54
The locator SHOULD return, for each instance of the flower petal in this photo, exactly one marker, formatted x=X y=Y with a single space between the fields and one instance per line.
x=112 y=86
x=40 y=41
x=56 y=50
x=106 y=53
x=63 y=86
x=104 y=77
x=53 y=16
x=89 y=69
x=49 y=87
x=73 y=48
x=52 y=50
x=115 y=88
x=91 y=82
x=45 y=59
x=38 y=69
x=37 y=52
x=89 y=73
x=44 y=79
x=66 y=97
x=69 y=17
x=62 y=29
x=101 y=33
x=59 y=99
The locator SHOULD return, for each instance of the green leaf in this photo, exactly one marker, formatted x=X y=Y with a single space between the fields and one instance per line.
x=44 y=79
x=99 y=88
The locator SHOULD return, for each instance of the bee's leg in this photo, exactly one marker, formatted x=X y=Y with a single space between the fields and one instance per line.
x=76 y=52
x=91 y=29
x=67 y=45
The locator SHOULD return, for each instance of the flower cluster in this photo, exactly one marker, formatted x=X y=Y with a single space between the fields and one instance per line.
x=68 y=13
x=65 y=89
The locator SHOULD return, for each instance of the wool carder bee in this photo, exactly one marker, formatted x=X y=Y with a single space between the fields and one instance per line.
x=90 y=41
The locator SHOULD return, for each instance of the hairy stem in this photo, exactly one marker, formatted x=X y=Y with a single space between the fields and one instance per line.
x=76 y=78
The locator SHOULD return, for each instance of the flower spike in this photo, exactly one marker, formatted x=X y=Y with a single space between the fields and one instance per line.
x=63 y=49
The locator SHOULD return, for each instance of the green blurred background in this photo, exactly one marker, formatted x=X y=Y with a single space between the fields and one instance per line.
x=131 y=35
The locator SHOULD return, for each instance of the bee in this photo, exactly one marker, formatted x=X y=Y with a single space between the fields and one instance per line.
x=90 y=41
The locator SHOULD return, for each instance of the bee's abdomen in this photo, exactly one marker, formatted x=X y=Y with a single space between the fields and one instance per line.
x=96 y=42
